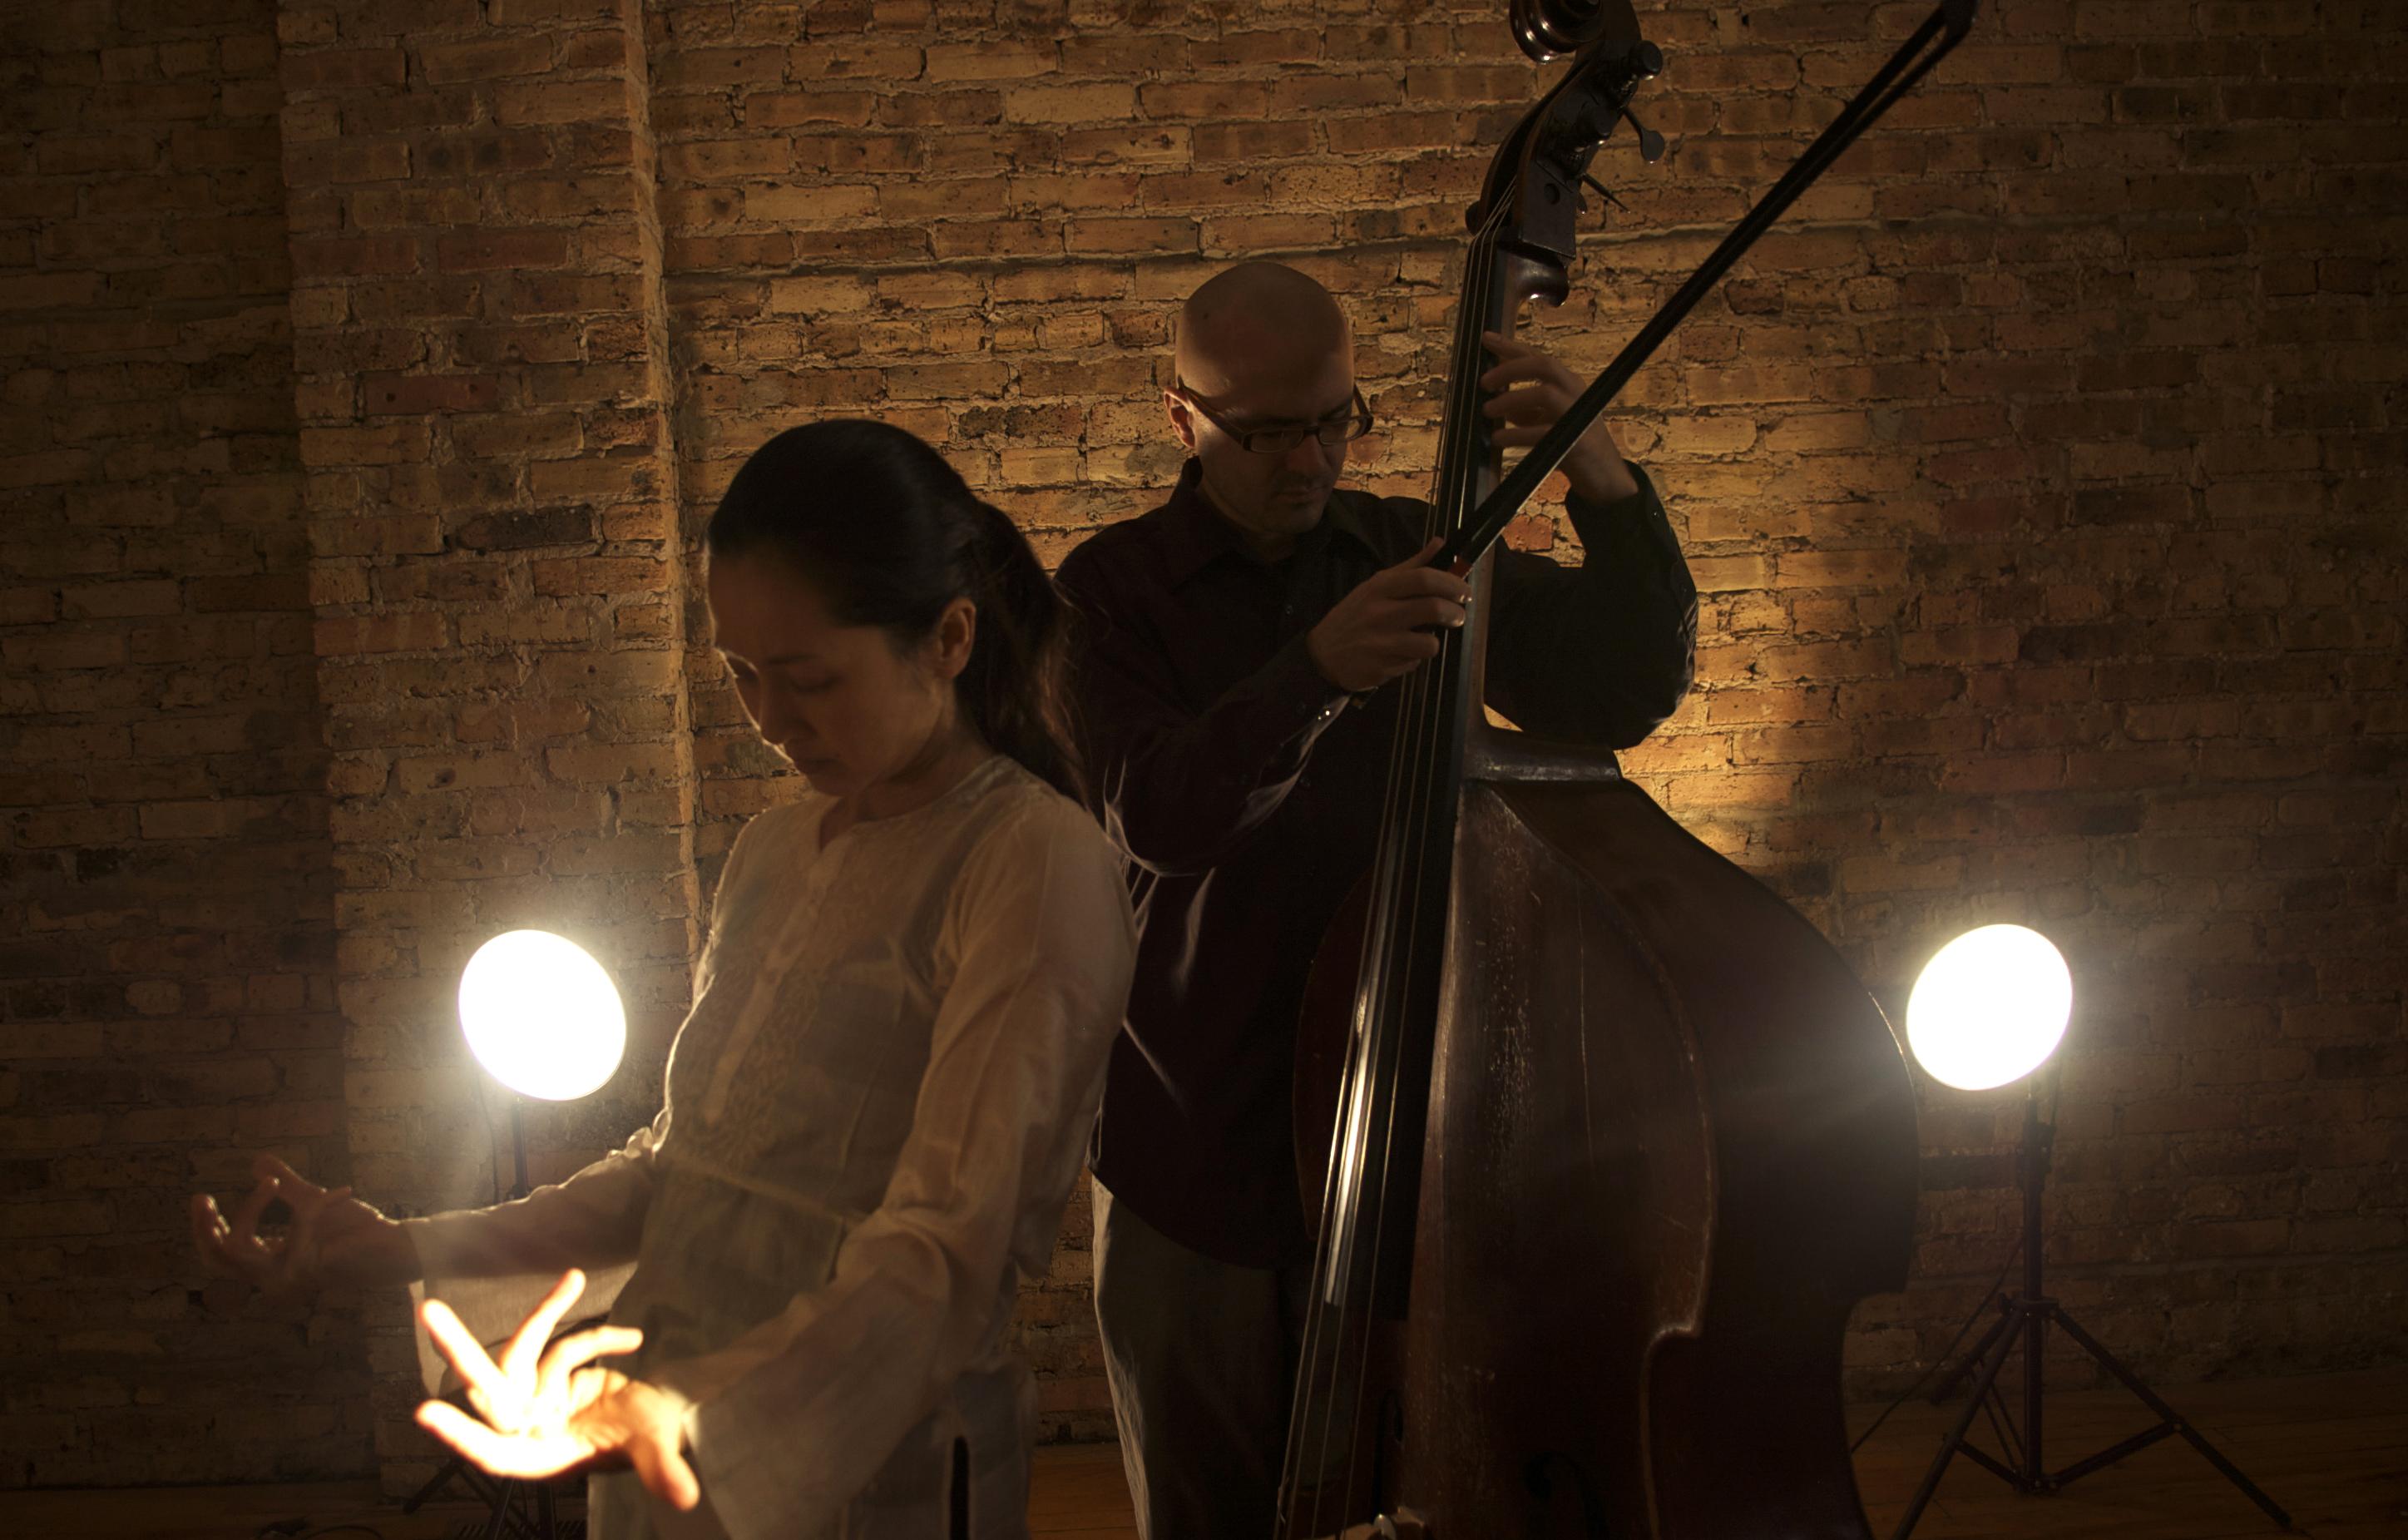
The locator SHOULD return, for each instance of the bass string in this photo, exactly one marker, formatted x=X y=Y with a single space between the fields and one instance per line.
x=1411 y=786
x=1436 y=697
x=1430 y=695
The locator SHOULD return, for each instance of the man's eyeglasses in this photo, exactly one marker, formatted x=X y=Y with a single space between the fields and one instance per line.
x=1338 y=428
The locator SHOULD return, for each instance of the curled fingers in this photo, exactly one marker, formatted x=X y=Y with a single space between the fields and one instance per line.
x=573 y=1352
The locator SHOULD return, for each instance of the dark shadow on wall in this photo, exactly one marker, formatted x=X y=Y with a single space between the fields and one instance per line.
x=168 y=998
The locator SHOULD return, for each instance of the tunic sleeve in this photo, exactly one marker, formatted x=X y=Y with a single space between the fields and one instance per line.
x=591 y=1220
x=788 y=1421
x=594 y=1218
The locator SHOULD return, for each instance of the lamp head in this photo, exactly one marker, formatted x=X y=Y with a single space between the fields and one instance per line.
x=541 y=1016
x=1990 y=1007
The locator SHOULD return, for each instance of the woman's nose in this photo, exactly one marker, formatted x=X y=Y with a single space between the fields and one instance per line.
x=772 y=716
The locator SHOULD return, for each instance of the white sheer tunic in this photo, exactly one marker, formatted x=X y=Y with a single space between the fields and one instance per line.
x=873 y=1118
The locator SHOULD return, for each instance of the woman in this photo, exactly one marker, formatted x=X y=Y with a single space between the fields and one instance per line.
x=878 y=1104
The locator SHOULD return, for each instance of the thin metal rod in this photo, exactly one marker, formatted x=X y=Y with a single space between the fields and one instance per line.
x=2034 y=1163
x=1949 y=23
x=2107 y=1457
x=1954 y=1442
x=2174 y=1420
x=519 y=1189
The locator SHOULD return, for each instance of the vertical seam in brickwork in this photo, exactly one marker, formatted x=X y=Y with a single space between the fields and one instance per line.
x=484 y=388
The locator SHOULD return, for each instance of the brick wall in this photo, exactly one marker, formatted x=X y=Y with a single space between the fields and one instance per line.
x=167 y=923
x=2038 y=475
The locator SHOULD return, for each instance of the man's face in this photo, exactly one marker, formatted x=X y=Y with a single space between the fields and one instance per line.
x=1272 y=497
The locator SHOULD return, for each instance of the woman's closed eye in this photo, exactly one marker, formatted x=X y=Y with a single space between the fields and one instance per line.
x=807 y=681
x=796 y=679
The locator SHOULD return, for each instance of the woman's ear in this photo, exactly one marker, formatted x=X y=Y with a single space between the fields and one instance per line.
x=952 y=636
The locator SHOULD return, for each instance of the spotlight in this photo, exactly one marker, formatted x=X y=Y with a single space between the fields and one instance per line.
x=1989 y=1008
x=544 y=1019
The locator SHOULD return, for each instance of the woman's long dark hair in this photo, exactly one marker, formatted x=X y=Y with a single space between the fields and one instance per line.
x=890 y=534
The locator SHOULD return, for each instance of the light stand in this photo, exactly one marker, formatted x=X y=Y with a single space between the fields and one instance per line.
x=519 y=1187
x=504 y=1497
x=2024 y=1320
x=545 y=1020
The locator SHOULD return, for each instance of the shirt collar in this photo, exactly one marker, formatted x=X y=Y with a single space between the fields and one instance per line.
x=1194 y=533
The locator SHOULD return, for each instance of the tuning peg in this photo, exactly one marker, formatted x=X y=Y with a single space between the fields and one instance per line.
x=1651 y=144
x=1602 y=191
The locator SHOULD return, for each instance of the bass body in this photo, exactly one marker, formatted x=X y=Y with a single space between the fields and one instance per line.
x=1670 y=1144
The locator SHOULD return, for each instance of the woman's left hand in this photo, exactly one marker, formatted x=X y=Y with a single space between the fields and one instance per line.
x=551 y=1410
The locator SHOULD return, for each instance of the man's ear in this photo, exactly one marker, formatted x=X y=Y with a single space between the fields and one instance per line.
x=1183 y=419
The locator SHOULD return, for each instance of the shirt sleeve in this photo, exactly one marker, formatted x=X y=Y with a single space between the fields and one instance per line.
x=1603 y=652
x=786 y=1422
x=1177 y=788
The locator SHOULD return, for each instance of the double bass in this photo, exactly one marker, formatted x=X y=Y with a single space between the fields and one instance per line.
x=1610 y=1138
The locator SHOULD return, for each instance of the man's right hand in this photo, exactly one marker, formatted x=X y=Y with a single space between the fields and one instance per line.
x=1386 y=626
x=334 y=1241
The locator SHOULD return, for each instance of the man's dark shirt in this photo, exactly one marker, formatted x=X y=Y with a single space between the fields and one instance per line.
x=1244 y=791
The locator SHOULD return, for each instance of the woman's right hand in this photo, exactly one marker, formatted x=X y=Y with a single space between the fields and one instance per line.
x=334 y=1240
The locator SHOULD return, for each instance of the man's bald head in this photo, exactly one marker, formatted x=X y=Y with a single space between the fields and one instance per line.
x=1263 y=347
x=1255 y=321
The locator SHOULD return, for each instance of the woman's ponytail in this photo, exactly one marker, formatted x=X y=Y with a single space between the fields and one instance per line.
x=1015 y=689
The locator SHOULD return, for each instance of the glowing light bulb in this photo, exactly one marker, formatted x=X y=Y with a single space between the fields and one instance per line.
x=541 y=1016
x=1990 y=1007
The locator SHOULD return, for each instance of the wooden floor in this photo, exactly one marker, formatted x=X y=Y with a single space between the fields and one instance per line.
x=2333 y=1449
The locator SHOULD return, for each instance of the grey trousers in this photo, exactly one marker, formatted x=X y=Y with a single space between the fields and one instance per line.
x=1202 y=1358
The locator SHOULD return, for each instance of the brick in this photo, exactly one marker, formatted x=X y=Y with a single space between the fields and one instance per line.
x=809 y=203
x=720 y=159
x=790 y=109
x=391 y=633
x=1127 y=236
x=1149 y=144
x=1070 y=103
x=524 y=529
x=330 y=69
x=990 y=60
x=560 y=103
x=412 y=394
x=488 y=250
x=488 y=59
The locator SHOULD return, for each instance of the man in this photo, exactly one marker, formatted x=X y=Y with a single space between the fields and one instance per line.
x=1236 y=641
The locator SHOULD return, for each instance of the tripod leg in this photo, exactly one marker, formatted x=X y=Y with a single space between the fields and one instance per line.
x=2174 y=1420
x=434 y=1483
x=2002 y=1342
x=502 y=1500
x=1972 y=1360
